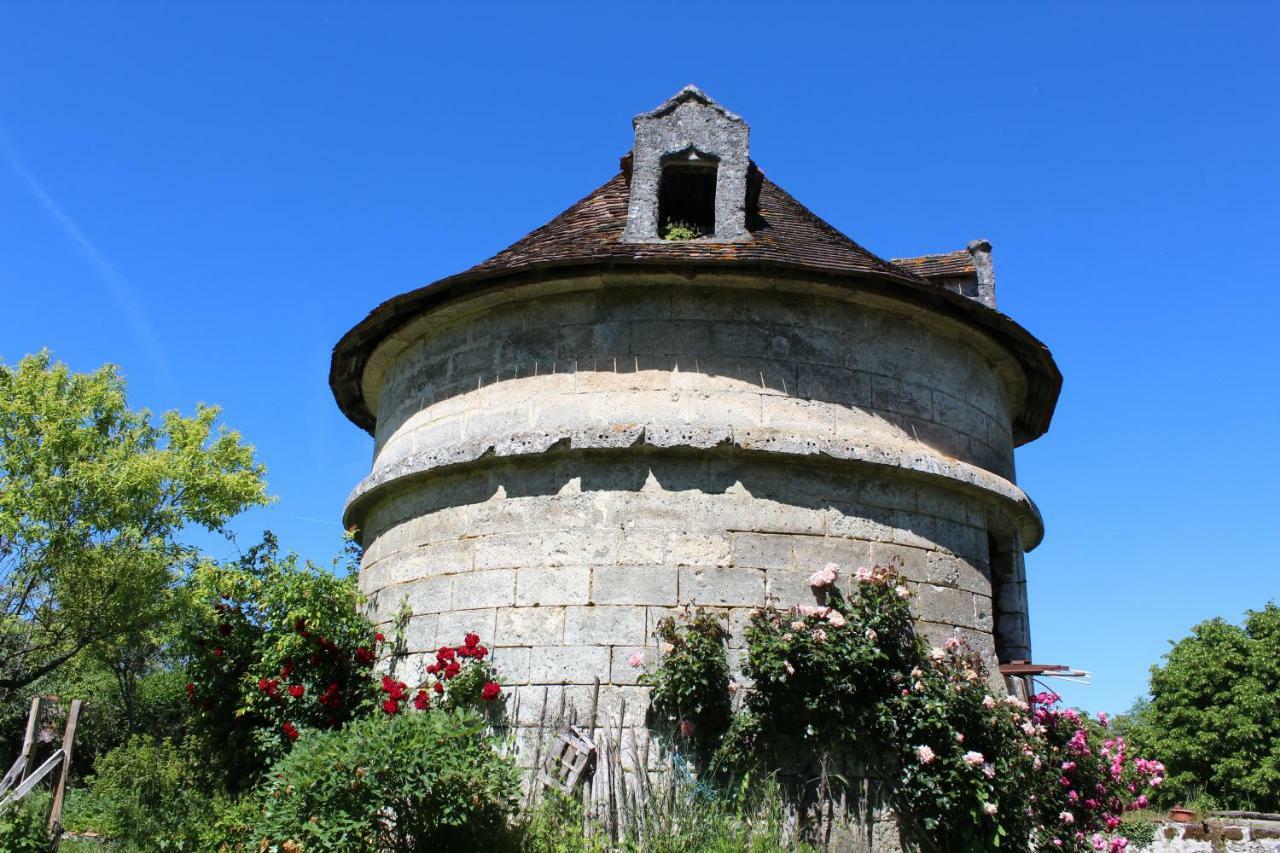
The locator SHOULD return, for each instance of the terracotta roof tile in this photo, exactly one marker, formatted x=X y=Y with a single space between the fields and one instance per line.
x=948 y=265
x=783 y=231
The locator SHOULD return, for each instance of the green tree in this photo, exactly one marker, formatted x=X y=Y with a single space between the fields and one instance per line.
x=94 y=498
x=1214 y=714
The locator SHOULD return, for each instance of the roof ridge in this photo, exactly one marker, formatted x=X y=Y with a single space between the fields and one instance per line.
x=887 y=265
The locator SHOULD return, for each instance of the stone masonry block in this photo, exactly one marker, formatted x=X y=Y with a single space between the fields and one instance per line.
x=429 y=595
x=454 y=626
x=621 y=671
x=578 y=547
x=530 y=626
x=944 y=605
x=506 y=550
x=786 y=587
x=761 y=550
x=698 y=549
x=814 y=552
x=567 y=664
x=484 y=589
x=604 y=626
x=634 y=585
x=564 y=585
x=642 y=547
x=511 y=664
x=732 y=587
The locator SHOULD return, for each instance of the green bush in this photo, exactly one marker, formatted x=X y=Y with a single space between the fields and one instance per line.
x=1214 y=715
x=691 y=688
x=416 y=781
x=22 y=828
x=147 y=794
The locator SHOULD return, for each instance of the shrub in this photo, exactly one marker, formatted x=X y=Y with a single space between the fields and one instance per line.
x=22 y=827
x=147 y=794
x=274 y=647
x=690 y=697
x=851 y=678
x=401 y=782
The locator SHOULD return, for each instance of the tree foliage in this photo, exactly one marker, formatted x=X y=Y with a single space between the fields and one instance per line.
x=1214 y=714
x=94 y=497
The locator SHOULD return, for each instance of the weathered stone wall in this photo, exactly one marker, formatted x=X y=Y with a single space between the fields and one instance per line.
x=558 y=469
x=1217 y=835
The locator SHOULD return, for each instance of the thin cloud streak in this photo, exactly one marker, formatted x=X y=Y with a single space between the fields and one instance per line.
x=116 y=286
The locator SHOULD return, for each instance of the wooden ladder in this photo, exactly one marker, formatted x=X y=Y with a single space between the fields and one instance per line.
x=20 y=780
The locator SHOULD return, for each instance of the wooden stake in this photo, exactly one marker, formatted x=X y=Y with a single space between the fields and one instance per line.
x=29 y=740
x=59 y=793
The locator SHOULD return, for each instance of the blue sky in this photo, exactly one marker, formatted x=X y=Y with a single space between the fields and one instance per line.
x=210 y=197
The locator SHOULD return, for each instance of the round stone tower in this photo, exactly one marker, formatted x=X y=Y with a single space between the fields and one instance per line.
x=687 y=389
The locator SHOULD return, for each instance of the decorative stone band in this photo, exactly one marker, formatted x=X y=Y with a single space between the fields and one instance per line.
x=906 y=457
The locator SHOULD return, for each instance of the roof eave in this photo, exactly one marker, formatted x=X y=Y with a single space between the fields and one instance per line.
x=351 y=353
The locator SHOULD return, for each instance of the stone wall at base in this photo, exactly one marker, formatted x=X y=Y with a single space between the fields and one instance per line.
x=1217 y=835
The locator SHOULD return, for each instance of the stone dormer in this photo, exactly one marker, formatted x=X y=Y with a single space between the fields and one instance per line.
x=689 y=167
x=968 y=272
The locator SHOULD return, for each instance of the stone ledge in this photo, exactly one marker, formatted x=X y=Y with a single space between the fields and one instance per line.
x=619 y=437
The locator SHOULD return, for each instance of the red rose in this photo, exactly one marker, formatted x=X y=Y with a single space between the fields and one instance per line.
x=452 y=669
x=391 y=706
x=471 y=640
x=387 y=683
x=439 y=687
x=290 y=731
x=217 y=651
x=363 y=656
x=422 y=702
x=432 y=669
x=445 y=653
x=262 y=684
x=490 y=691
x=479 y=652
x=296 y=690
x=397 y=691
x=464 y=651
x=379 y=637
x=191 y=692
x=287 y=669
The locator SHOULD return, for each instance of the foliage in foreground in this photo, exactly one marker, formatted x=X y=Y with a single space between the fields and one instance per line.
x=680 y=818
x=1214 y=714
x=22 y=827
x=437 y=772
x=851 y=680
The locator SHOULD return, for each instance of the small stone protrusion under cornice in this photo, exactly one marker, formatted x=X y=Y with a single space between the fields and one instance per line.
x=689 y=169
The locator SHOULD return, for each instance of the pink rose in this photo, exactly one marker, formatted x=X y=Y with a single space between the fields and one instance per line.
x=636 y=659
x=824 y=577
x=973 y=759
x=924 y=754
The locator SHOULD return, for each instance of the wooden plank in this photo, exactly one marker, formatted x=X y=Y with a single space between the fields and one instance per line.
x=60 y=792
x=33 y=780
x=29 y=739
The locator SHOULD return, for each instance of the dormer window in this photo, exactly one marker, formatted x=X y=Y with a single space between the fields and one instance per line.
x=688 y=173
x=687 y=196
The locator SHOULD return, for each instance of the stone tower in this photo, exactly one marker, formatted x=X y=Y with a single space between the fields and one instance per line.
x=598 y=425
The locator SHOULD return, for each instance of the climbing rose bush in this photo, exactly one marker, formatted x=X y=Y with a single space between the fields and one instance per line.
x=277 y=648
x=690 y=699
x=975 y=769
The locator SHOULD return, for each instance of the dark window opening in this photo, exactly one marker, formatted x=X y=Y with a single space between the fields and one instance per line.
x=687 y=200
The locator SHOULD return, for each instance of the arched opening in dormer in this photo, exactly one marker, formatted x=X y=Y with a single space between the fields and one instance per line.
x=687 y=195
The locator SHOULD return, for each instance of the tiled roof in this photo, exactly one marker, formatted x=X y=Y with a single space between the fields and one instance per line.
x=787 y=239
x=783 y=231
x=949 y=265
